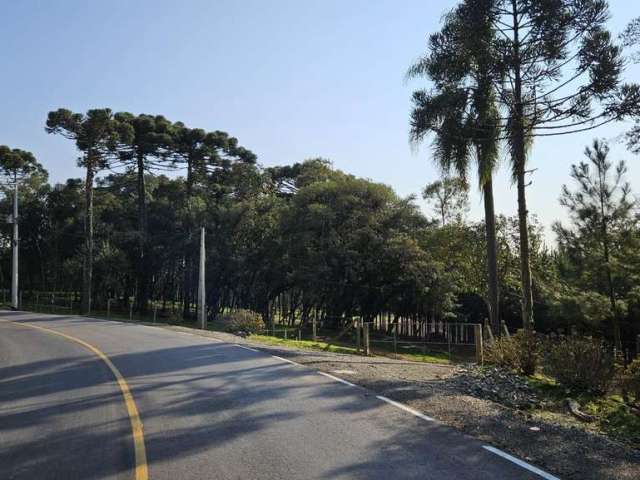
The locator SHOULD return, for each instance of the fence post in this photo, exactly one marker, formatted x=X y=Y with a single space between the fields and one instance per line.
x=108 y=308
x=299 y=333
x=358 y=342
x=365 y=333
x=155 y=312
x=314 y=332
x=131 y=310
x=285 y=333
x=477 y=331
x=505 y=330
x=395 y=340
x=449 y=339
x=37 y=301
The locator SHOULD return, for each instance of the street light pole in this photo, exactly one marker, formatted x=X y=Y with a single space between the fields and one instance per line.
x=14 y=262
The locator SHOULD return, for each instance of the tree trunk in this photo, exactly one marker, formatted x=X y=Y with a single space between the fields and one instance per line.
x=87 y=263
x=186 y=279
x=519 y=157
x=617 y=340
x=492 y=257
x=142 y=296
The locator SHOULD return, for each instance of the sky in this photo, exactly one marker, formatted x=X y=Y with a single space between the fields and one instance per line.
x=290 y=79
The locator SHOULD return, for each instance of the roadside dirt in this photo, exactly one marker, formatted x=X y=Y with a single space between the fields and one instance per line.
x=441 y=391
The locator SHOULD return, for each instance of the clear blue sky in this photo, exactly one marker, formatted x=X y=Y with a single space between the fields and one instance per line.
x=291 y=79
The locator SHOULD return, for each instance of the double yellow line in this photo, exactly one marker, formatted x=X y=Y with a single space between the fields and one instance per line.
x=141 y=469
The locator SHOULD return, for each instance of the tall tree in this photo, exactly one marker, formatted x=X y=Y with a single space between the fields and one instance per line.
x=461 y=111
x=203 y=154
x=558 y=72
x=555 y=70
x=143 y=152
x=96 y=134
x=449 y=197
x=601 y=210
x=16 y=164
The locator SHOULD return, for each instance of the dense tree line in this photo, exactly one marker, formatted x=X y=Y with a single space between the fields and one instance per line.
x=308 y=240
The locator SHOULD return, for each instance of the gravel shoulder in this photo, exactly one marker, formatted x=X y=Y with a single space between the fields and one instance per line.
x=561 y=446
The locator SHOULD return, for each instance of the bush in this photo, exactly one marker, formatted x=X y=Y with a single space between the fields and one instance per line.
x=520 y=352
x=581 y=364
x=242 y=320
x=631 y=380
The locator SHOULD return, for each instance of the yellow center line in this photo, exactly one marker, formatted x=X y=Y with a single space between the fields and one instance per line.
x=141 y=470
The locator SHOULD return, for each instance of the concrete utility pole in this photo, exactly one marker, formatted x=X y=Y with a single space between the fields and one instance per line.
x=202 y=314
x=14 y=261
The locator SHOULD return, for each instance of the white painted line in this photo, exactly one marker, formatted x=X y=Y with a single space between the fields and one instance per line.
x=521 y=463
x=337 y=379
x=246 y=348
x=285 y=360
x=405 y=408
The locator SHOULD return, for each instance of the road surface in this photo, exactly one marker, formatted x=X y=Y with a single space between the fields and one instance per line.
x=209 y=410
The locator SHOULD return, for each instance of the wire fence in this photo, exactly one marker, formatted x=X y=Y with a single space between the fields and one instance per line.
x=446 y=341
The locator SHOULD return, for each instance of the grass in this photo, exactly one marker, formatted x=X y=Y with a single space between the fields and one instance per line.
x=613 y=416
x=414 y=356
x=304 y=344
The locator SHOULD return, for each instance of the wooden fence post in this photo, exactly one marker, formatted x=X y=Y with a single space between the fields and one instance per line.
x=505 y=329
x=477 y=330
x=365 y=333
x=314 y=333
x=395 y=340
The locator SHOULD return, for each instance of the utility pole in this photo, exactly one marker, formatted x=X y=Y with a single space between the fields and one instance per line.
x=202 y=314
x=14 y=261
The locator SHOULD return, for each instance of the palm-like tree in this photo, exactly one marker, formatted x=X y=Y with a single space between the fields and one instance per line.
x=460 y=110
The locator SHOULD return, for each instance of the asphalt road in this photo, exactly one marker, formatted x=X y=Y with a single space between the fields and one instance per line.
x=210 y=410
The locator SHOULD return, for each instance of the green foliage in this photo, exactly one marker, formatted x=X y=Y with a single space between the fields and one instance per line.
x=242 y=320
x=16 y=164
x=599 y=242
x=581 y=364
x=449 y=197
x=631 y=380
x=519 y=352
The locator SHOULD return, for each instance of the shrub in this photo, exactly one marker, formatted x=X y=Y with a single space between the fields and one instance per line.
x=581 y=364
x=631 y=380
x=242 y=320
x=520 y=352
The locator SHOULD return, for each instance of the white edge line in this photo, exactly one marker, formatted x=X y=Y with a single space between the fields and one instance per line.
x=286 y=360
x=337 y=379
x=405 y=408
x=520 y=463
x=246 y=348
